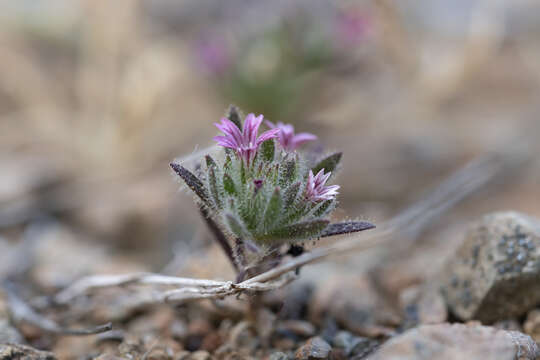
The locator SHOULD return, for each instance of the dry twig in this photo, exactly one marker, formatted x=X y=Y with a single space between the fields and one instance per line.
x=22 y=312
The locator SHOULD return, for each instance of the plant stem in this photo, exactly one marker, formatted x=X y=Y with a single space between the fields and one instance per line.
x=220 y=237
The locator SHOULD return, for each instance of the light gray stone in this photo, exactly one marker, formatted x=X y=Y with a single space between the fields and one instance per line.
x=458 y=342
x=495 y=274
x=314 y=348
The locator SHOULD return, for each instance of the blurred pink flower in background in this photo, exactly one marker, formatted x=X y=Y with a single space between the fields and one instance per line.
x=213 y=54
x=352 y=26
x=286 y=137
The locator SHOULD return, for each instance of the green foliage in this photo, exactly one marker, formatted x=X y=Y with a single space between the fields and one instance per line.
x=235 y=116
x=329 y=163
x=273 y=209
x=287 y=172
x=268 y=149
x=228 y=184
x=213 y=185
x=298 y=231
x=193 y=182
x=265 y=202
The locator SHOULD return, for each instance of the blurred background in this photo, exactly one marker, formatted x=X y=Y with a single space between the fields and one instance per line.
x=97 y=97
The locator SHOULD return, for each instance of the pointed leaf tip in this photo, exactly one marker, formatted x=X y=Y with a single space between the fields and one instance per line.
x=210 y=162
x=233 y=114
x=191 y=181
x=329 y=163
x=346 y=227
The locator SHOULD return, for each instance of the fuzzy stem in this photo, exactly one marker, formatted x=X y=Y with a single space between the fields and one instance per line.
x=220 y=237
x=240 y=260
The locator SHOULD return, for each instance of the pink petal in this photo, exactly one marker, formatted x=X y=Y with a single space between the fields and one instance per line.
x=248 y=128
x=301 y=138
x=230 y=129
x=225 y=141
x=251 y=128
x=319 y=177
x=332 y=189
x=325 y=177
x=269 y=134
x=270 y=124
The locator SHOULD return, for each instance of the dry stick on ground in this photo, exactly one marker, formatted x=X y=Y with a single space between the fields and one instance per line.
x=88 y=283
x=22 y=312
x=473 y=176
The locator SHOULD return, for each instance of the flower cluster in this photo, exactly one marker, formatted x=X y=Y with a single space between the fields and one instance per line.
x=263 y=196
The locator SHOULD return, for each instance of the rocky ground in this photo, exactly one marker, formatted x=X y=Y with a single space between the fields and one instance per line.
x=97 y=97
x=481 y=304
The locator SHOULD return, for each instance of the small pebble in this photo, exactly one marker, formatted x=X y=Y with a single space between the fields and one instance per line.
x=278 y=356
x=314 y=348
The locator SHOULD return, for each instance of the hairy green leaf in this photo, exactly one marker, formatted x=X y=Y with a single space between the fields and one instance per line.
x=214 y=187
x=210 y=162
x=290 y=194
x=268 y=150
x=299 y=231
x=192 y=182
x=323 y=208
x=228 y=184
x=228 y=163
x=329 y=163
x=242 y=173
x=235 y=225
x=273 y=209
x=233 y=114
x=346 y=228
x=287 y=172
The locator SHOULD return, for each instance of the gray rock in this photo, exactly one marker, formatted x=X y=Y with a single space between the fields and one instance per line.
x=16 y=351
x=298 y=327
x=532 y=325
x=508 y=324
x=200 y=355
x=8 y=334
x=314 y=348
x=495 y=274
x=457 y=342
x=278 y=355
x=368 y=315
x=353 y=346
x=423 y=305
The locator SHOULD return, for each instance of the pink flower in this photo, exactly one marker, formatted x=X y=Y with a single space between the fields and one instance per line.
x=316 y=190
x=245 y=142
x=213 y=54
x=352 y=27
x=286 y=137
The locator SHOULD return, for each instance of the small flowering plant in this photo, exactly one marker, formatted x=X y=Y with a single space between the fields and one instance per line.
x=262 y=192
